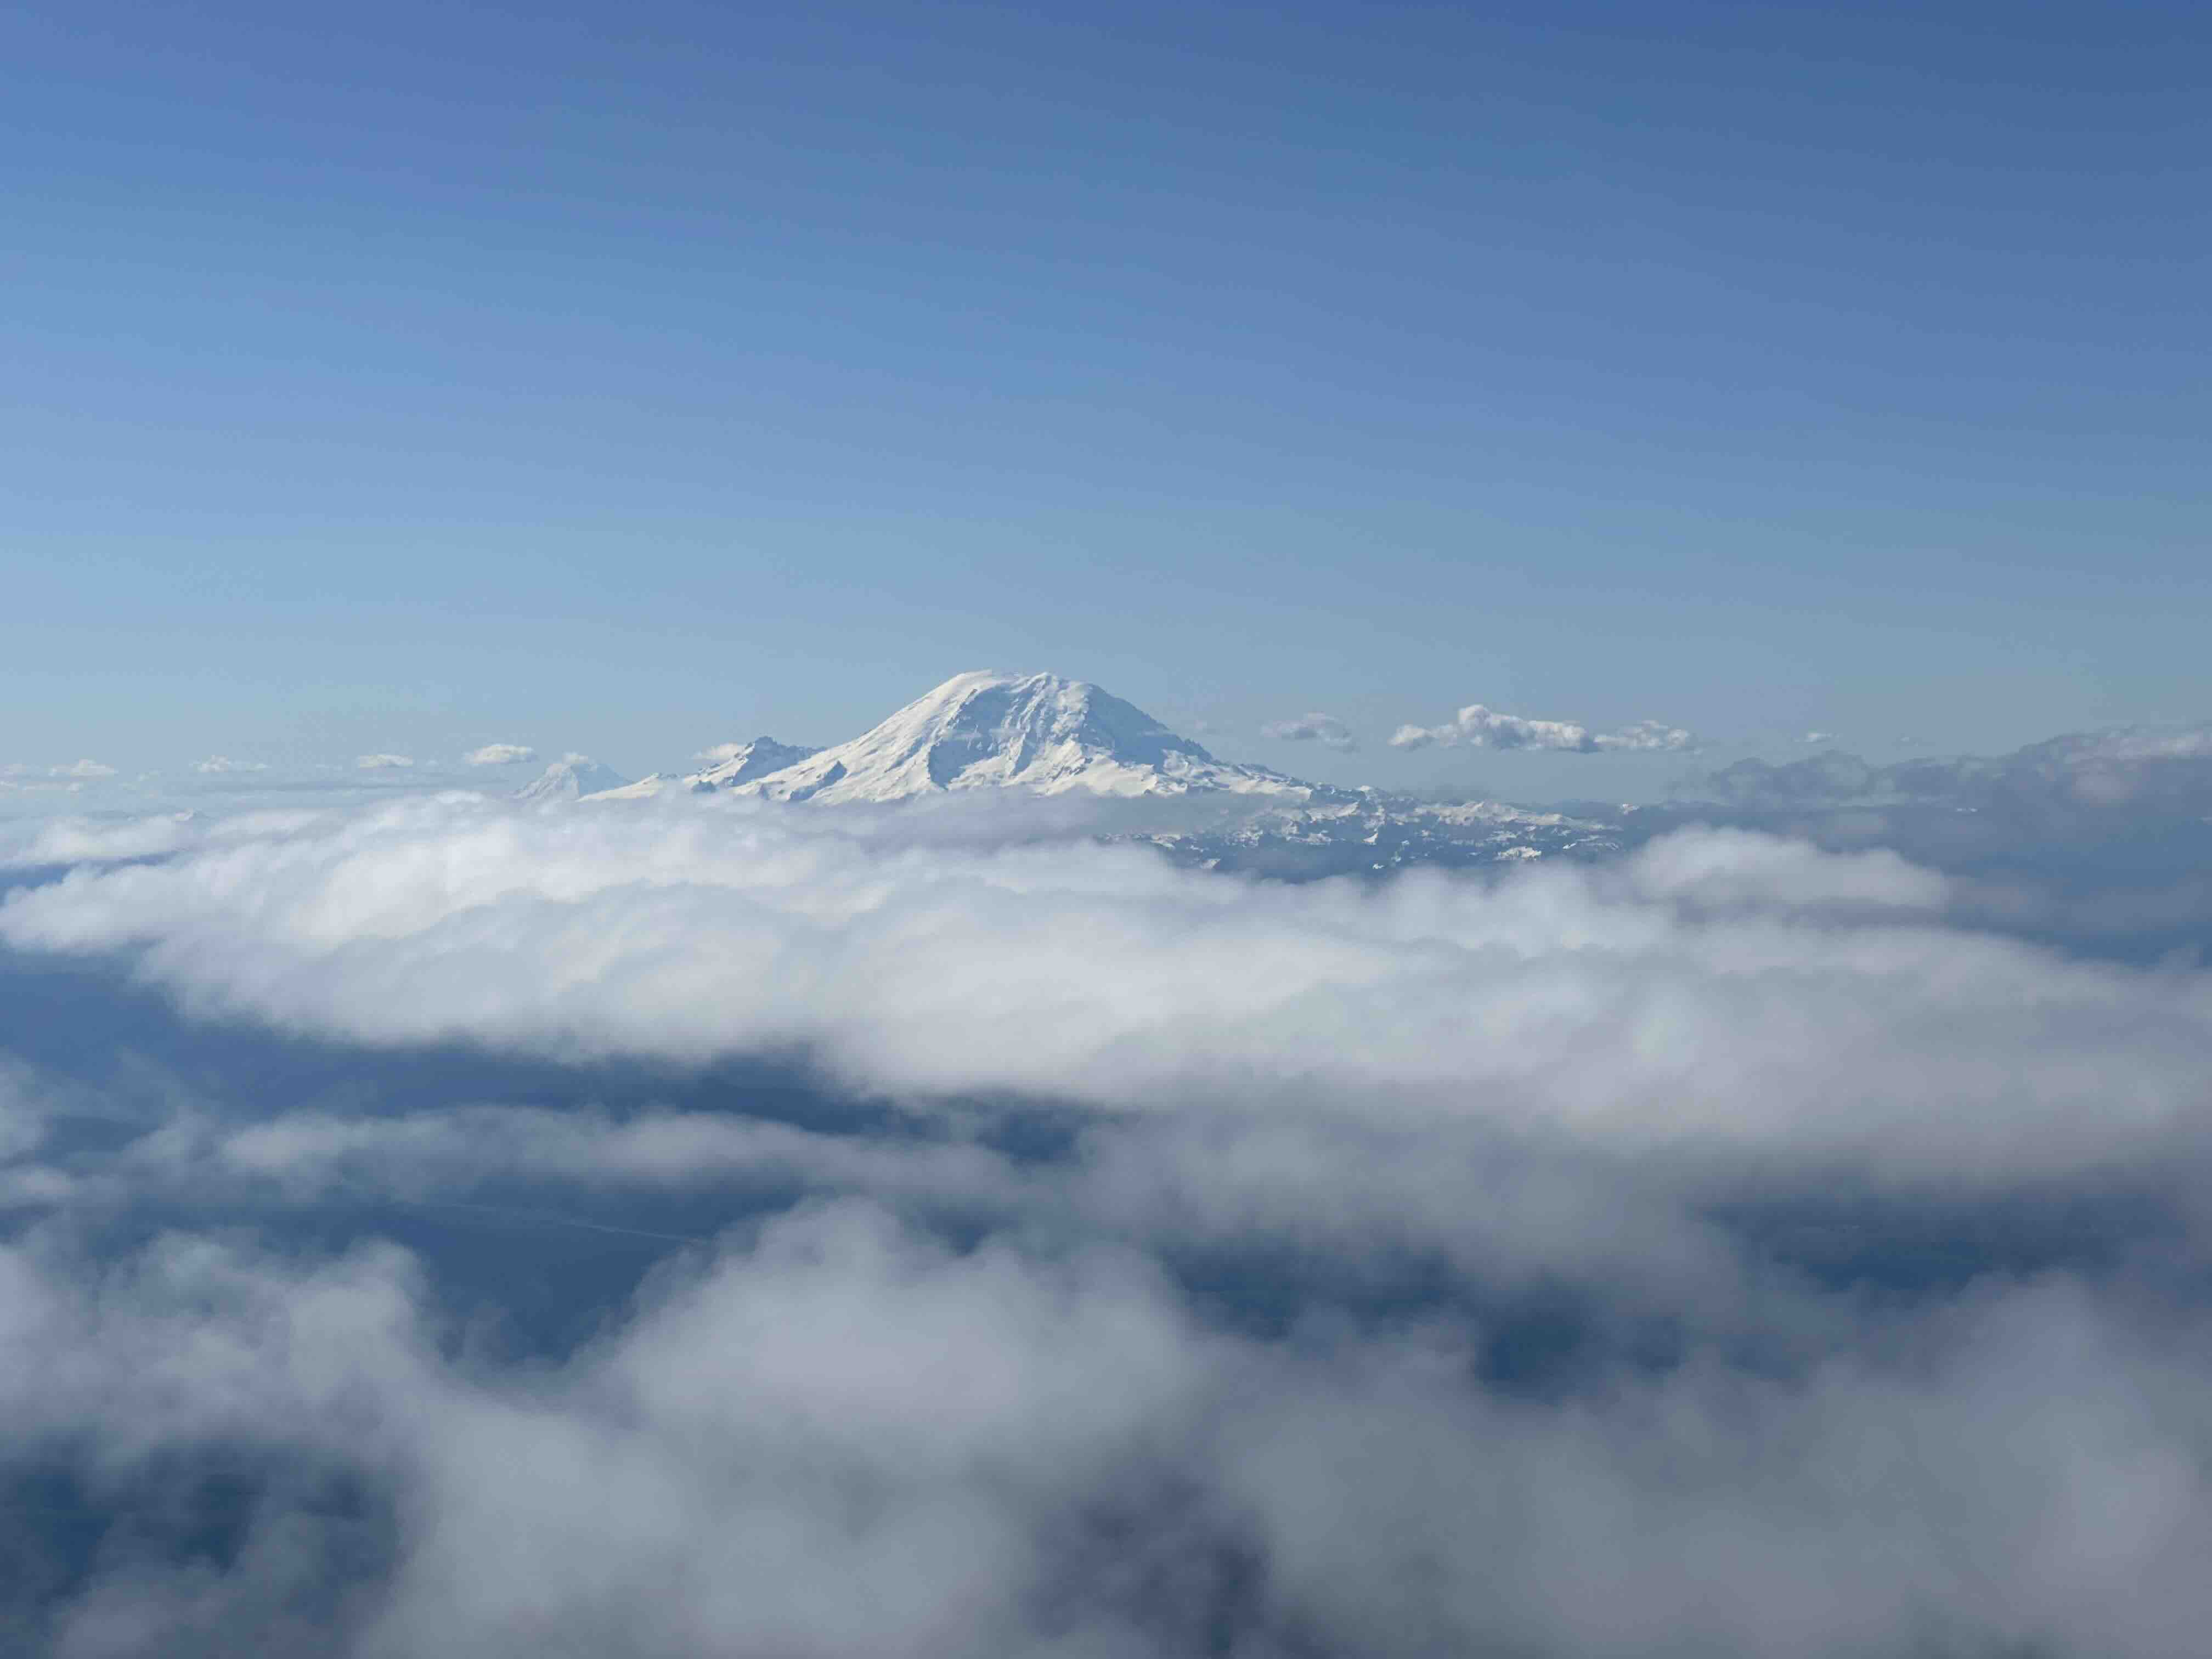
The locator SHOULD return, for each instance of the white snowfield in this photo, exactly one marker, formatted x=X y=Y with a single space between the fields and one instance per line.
x=982 y=730
x=747 y=761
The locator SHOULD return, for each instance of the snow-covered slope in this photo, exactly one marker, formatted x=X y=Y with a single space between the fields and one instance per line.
x=571 y=778
x=734 y=763
x=651 y=784
x=745 y=762
x=1041 y=733
x=1028 y=730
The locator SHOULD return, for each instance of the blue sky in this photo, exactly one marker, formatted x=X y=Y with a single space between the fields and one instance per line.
x=627 y=379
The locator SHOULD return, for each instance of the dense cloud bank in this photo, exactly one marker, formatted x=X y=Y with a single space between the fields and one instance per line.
x=713 y=1227
x=1719 y=989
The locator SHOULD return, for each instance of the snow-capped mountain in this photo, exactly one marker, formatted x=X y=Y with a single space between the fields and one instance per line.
x=1025 y=731
x=743 y=763
x=571 y=778
x=1045 y=735
x=734 y=763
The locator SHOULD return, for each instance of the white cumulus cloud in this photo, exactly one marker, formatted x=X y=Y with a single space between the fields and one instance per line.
x=382 y=763
x=1478 y=728
x=500 y=754
x=224 y=763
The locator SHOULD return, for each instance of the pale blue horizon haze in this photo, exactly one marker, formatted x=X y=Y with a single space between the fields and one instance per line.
x=627 y=379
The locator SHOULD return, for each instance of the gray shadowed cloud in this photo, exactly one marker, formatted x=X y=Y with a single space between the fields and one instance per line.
x=1324 y=729
x=857 y=1430
x=1478 y=728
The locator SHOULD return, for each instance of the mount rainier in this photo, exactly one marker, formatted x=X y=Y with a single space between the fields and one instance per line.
x=1034 y=731
x=1047 y=736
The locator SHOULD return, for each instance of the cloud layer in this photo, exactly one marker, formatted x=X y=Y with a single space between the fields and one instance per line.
x=709 y=1226
x=1815 y=998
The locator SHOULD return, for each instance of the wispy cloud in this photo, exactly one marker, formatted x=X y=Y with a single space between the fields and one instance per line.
x=1324 y=729
x=224 y=763
x=17 y=778
x=382 y=763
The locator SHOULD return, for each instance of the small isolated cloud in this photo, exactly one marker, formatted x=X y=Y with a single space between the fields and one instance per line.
x=381 y=762
x=83 y=769
x=224 y=763
x=1817 y=737
x=1325 y=729
x=500 y=754
x=1477 y=727
x=721 y=752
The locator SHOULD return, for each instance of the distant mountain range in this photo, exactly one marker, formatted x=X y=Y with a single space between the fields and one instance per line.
x=2140 y=769
x=1044 y=736
x=1047 y=736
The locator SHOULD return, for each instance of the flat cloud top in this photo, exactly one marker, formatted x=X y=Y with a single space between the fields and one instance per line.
x=1576 y=998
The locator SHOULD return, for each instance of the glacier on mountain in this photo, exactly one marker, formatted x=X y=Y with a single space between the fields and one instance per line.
x=1035 y=732
x=1041 y=736
x=737 y=764
x=733 y=764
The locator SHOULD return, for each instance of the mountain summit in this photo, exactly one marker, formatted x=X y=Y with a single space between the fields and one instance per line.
x=741 y=762
x=1031 y=730
x=571 y=778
